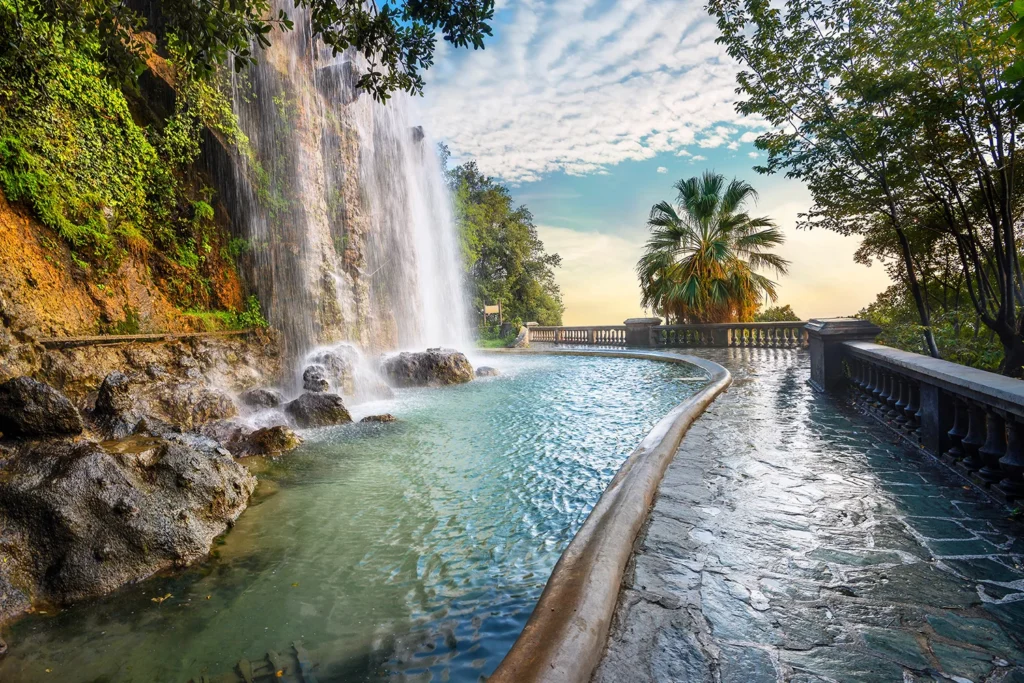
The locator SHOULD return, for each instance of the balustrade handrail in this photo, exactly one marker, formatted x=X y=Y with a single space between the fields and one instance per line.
x=646 y=332
x=998 y=391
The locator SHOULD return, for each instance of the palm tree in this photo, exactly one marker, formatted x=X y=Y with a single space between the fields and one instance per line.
x=702 y=259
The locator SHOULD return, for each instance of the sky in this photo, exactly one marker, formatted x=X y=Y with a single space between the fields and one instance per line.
x=590 y=110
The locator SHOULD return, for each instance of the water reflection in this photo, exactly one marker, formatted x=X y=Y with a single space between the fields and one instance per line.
x=406 y=551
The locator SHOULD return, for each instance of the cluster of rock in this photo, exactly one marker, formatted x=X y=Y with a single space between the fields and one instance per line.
x=104 y=483
x=81 y=514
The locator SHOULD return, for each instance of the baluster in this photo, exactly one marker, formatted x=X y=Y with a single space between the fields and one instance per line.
x=1012 y=463
x=959 y=430
x=994 y=447
x=901 y=402
x=886 y=391
x=879 y=386
x=913 y=406
x=975 y=438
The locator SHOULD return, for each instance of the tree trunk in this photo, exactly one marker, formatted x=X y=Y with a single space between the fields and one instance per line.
x=1013 y=357
x=915 y=289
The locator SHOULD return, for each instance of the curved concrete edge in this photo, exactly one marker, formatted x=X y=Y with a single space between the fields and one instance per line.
x=565 y=637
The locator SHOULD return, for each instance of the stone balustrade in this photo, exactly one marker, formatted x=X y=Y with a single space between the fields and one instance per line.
x=648 y=332
x=971 y=419
x=604 y=335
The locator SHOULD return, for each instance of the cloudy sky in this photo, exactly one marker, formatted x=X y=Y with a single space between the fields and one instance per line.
x=590 y=111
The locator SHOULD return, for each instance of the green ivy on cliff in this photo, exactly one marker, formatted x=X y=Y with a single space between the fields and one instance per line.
x=81 y=148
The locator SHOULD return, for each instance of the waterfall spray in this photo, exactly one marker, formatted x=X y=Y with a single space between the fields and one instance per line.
x=343 y=203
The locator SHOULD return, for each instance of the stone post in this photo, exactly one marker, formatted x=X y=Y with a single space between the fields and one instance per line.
x=826 y=337
x=638 y=330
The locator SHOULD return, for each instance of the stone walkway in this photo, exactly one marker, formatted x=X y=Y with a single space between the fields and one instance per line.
x=792 y=540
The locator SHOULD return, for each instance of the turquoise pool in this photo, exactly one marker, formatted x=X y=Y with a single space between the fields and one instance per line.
x=407 y=551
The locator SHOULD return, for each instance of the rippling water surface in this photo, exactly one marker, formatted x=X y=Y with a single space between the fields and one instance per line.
x=406 y=551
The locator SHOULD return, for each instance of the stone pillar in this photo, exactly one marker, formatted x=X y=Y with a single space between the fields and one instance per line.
x=638 y=330
x=826 y=340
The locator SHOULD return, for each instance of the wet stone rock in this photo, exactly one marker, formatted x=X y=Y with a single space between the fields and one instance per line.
x=318 y=410
x=386 y=417
x=31 y=408
x=314 y=378
x=268 y=441
x=191 y=404
x=92 y=517
x=260 y=398
x=433 y=367
x=115 y=412
x=487 y=371
x=337 y=366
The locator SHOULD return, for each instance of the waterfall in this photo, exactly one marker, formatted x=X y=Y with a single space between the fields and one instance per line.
x=343 y=203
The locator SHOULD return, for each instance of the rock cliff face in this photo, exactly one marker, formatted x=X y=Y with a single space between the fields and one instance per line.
x=44 y=293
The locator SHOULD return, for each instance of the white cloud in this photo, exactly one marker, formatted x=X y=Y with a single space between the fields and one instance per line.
x=662 y=169
x=699 y=157
x=749 y=136
x=753 y=155
x=733 y=145
x=577 y=86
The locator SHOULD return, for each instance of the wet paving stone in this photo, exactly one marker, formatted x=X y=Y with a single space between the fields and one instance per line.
x=793 y=540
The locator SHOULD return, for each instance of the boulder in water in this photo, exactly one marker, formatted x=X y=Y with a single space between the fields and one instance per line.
x=487 y=371
x=32 y=408
x=433 y=367
x=385 y=417
x=260 y=398
x=314 y=378
x=86 y=518
x=318 y=410
x=268 y=441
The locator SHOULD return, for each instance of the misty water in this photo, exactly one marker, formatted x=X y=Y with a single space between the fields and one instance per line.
x=406 y=551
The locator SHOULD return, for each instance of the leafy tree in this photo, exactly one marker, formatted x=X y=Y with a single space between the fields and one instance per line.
x=896 y=115
x=397 y=40
x=777 y=314
x=701 y=261
x=505 y=259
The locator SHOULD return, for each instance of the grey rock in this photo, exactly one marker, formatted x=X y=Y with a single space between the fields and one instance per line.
x=91 y=517
x=115 y=412
x=31 y=408
x=267 y=441
x=261 y=398
x=487 y=371
x=314 y=378
x=433 y=367
x=386 y=417
x=318 y=410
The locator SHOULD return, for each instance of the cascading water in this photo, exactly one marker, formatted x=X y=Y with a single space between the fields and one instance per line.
x=343 y=203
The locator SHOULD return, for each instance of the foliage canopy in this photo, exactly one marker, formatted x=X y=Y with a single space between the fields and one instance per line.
x=505 y=260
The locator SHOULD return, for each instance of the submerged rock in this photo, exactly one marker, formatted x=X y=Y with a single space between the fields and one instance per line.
x=386 y=417
x=32 y=408
x=433 y=367
x=318 y=410
x=314 y=378
x=261 y=398
x=487 y=371
x=88 y=518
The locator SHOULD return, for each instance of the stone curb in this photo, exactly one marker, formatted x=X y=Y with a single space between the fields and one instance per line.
x=565 y=637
